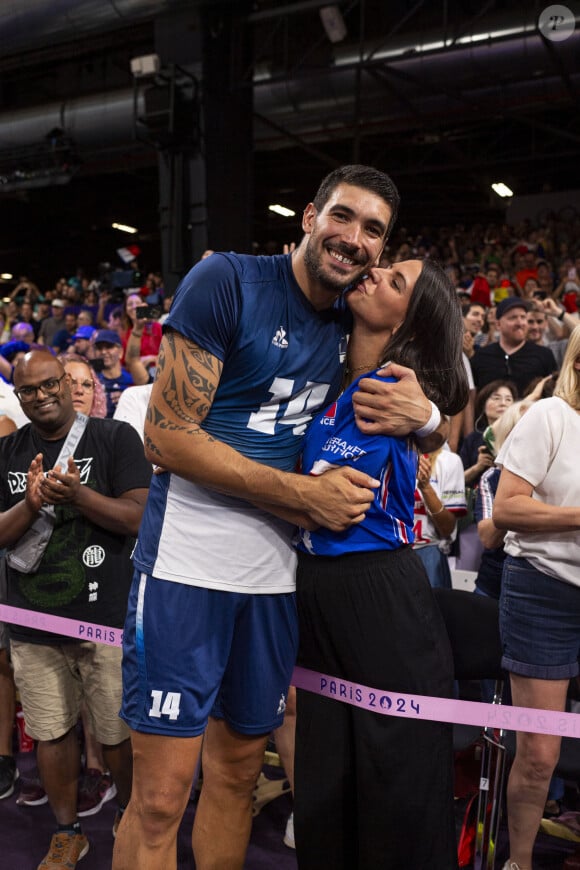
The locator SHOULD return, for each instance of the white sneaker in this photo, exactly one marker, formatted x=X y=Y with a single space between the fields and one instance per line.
x=289 y=833
x=511 y=865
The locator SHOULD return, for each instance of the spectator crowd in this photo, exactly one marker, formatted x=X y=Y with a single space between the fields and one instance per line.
x=519 y=289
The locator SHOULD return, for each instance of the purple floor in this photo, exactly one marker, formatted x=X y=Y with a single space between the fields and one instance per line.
x=25 y=833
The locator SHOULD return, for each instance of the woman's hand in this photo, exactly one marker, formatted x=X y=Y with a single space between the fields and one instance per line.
x=424 y=471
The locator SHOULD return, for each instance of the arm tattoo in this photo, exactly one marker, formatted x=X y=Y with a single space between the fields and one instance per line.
x=191 y=378
x=151 y=446
x=159 y=419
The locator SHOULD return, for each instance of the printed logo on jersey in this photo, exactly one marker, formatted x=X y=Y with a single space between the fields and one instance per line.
x=281 y=705
x=340 y=447
x=280 y=339
x=93 y=556
x=17 y=479
x=329 y=416
x=93 y=591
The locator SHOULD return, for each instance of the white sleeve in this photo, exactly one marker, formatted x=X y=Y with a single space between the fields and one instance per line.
x=529 y=449
x=452 y=479
x=468 y=372
x=132 y=407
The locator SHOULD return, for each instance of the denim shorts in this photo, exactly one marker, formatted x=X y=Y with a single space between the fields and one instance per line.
x=539 y=623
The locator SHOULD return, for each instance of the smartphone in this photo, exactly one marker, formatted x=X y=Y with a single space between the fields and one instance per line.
x=97 y=364
x=148 y=312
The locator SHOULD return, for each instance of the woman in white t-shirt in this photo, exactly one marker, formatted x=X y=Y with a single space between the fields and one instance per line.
x=538 y=500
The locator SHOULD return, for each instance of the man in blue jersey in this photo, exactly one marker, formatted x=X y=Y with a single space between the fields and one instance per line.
x=253 y=349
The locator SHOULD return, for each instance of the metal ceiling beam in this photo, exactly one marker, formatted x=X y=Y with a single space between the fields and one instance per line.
x=26 y=24
x=493 y=162
x=428 y=123
x=396 y=28
x=465 y=28
x=288 y=9
x=535 y=123
x=296 y=140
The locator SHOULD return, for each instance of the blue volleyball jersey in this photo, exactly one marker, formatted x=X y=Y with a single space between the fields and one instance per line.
x=282 y=363
x=281 y=358
x=334 y=440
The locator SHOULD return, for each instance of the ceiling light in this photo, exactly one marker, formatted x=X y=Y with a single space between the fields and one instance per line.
x=6 y=276
x=281 y=209
x=124 y=228
x=502 y=189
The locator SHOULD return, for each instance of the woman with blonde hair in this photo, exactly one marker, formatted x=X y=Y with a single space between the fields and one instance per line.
x=538 y=501
x=88 y=393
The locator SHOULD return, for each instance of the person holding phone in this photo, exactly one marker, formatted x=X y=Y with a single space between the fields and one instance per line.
x=141 y=324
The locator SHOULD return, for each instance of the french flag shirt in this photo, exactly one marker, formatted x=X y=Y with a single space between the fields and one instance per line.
x=334 y=440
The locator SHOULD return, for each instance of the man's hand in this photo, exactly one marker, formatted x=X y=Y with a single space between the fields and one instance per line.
x=551 y=307
x=339 y=498
x=59 y=488
x=391 y=409
x=34 y=477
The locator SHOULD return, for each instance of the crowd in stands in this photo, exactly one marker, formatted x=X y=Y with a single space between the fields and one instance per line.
x=520 y=294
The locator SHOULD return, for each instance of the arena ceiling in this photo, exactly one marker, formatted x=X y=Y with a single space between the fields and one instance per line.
x=447 y=96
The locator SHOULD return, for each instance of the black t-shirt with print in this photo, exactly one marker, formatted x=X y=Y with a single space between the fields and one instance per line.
x=86 y=571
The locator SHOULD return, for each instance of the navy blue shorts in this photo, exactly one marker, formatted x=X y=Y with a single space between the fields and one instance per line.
x=539 y=623
x=190 y=652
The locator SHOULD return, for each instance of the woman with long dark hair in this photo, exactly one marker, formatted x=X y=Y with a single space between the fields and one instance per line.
x=490 y=403
x=372 y=791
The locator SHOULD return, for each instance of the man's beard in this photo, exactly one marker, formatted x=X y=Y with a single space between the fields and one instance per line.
x=327 y=280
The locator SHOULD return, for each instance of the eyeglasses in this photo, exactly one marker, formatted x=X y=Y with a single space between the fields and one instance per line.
x=50 y=387
x=87 y=386
x=507 y=365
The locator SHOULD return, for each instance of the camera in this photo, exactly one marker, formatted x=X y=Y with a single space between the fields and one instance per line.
x=117 y=282
x=148 y=312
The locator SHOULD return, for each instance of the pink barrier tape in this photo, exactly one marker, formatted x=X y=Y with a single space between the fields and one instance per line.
x=61 y=625
x=438 y=709
x=377 y=700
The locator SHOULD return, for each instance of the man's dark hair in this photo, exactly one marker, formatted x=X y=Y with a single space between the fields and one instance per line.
x=467 y=306
x=360 y=176
x=430 y=340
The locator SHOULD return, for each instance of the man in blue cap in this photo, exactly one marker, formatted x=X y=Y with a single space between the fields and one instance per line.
x=107 y=346
x=82 y=341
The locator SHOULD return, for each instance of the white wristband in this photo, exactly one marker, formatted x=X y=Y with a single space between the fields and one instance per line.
x=431 y=424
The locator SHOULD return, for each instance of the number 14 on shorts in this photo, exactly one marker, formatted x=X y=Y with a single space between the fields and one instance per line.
x=165 y=704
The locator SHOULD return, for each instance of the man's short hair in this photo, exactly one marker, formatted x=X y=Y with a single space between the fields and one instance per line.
x=367 y=177
x=467 y=306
